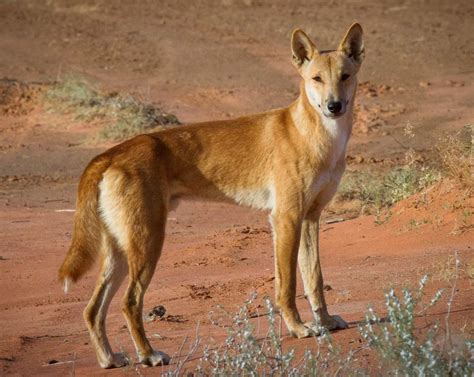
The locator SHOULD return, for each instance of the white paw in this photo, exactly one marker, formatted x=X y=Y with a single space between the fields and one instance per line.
x=314 y=327
x=333 y=322
x=301 y=330
x=301 y=333
x=116 y=360
x=156 y=358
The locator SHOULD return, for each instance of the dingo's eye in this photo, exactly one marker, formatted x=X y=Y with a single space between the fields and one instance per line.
x=345 y=76
x=318 y=78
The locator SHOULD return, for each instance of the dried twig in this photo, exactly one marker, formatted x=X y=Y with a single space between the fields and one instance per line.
x=335 y=220
x=73 y=371
x=191 y=352
x=450 y=303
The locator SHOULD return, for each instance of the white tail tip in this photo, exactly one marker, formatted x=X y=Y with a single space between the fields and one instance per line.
x=67 y=285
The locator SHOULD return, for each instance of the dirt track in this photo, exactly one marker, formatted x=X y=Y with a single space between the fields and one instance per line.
x=211 y=61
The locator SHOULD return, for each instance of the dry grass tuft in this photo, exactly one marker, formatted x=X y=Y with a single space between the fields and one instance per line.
x=124 y=116
x=456 y=156
x=449 y=269
x=376 y=191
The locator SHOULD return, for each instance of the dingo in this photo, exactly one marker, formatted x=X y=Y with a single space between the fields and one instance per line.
x=288 y=161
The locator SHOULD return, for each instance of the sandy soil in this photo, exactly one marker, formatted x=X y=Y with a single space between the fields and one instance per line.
x=215 y=60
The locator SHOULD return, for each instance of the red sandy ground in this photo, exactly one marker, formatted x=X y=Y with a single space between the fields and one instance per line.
x=211 y=60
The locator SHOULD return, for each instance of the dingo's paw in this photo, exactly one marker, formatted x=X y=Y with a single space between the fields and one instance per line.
x=301 y=331
x=156 y=358
x=329 y=322
x=116 y=360
x=314 y=327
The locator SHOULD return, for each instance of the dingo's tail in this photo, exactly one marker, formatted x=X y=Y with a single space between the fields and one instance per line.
x=86 y=237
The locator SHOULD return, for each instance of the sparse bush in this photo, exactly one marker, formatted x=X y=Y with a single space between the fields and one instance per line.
x=449 y=269
x=377 y=191
x=456 y=155
x=124 y=115
x=397 y=346
x=75 y=95
x=244 y=354
x=403 y=182
x=364 y=186
x=401 y=351
x=385 y=190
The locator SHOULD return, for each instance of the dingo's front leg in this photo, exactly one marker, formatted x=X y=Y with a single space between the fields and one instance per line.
x=310 y=267
x=287 y=230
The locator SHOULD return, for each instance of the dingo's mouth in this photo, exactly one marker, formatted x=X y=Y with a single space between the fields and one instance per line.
x=333 y=116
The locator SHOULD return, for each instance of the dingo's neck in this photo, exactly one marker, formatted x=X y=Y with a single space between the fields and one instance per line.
x=330 y=133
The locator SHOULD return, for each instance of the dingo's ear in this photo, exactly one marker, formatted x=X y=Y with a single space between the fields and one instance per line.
x=302 y=47
x=353 y=43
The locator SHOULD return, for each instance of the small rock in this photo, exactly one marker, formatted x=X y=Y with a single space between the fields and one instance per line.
x=424 y=84
x=157 y=312
x=245 y=230
x=158 y=336
x=327 y=287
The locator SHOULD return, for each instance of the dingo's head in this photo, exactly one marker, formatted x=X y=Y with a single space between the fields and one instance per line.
x=329 y=76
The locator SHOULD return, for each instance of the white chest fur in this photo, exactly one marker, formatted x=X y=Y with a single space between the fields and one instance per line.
x=339 y=131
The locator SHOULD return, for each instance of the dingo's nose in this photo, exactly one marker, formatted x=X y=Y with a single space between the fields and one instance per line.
x=334 y=107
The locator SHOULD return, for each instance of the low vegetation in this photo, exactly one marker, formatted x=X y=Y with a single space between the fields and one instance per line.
x=123 y=116
x=402 y=350
x=393 y=343
x=250 y=351
x=379 y=189
x=457 y=156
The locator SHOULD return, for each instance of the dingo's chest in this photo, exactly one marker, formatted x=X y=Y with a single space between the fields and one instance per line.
x=325 y=182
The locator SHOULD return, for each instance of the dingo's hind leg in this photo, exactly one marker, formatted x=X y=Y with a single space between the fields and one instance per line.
x=144 y=252
x=134 y=208
x=113 y=271
x=141 y=269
